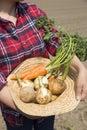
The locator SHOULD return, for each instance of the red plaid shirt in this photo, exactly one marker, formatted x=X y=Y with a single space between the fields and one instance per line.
x=19 y=42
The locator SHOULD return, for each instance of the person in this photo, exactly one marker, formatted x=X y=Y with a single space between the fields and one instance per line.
x=20 y=40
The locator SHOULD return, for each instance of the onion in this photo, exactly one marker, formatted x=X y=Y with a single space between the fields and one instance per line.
x=27 y=83
x=43 y=95
x=27 y=94
x=57 y=86
x=40 y=81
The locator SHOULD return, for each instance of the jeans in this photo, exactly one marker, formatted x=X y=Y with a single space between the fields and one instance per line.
x=46 y=123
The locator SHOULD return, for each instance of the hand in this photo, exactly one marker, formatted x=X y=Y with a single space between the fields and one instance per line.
x=6 y=98
x=81 y=84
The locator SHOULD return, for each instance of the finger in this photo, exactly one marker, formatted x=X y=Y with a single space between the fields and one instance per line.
x=84 y=94
x=78 y=92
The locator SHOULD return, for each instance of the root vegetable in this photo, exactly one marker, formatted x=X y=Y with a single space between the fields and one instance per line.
x=27 y=94
x=57 y=86
x=27 y=83
x=51 y=78
x=43 y=95
x=40 y=81
x=37 y=83
x=32 y=73
x=44 y=81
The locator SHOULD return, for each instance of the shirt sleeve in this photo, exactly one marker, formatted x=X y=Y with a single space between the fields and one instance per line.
x=2 y=80
x=52 y=45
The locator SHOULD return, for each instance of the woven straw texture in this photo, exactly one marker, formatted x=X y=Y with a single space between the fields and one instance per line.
x=64 y=103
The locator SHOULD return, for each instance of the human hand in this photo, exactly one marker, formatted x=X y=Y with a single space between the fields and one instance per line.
x=81 y=84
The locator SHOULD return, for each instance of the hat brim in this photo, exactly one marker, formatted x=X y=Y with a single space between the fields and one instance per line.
x=64 y=103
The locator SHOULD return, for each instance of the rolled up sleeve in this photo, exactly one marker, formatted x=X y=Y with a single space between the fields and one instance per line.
x=3 y=80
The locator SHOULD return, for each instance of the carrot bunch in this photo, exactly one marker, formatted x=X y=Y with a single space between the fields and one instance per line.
x=32 y=73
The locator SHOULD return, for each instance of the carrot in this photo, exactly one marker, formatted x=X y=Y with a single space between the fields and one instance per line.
x=51 y=78
x=38 y=70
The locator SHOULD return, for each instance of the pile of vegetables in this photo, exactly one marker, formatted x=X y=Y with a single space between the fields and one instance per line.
x=41 y=90
x=40 y=84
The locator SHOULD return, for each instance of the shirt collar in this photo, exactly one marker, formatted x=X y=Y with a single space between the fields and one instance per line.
x=21 y=9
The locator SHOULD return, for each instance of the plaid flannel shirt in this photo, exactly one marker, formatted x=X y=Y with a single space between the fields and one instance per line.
x=19 y=42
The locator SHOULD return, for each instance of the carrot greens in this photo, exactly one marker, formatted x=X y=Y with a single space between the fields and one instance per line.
x=63 y=56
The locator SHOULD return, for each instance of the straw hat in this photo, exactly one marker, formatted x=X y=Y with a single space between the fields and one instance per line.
x=64 y=103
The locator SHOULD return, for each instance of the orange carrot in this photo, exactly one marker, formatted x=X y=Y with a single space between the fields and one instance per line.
x=38 y=70
x=51 y=78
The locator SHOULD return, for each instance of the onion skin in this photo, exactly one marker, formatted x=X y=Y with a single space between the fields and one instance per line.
x=40 y=81
x=37 y=83
x=27 y=83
